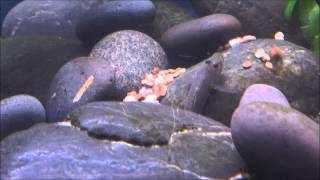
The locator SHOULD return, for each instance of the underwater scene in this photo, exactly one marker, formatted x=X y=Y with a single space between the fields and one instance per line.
x=160 y=89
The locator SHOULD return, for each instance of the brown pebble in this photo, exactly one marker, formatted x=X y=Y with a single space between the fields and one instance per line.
x=247 y=64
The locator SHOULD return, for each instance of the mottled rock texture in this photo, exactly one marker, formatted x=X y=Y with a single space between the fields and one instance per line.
x=192 y=146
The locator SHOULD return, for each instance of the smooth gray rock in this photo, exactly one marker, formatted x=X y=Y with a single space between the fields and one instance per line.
x=295 y=74
x=276 y=141
x=110 y=16
x=259 y=18
x=20 y=112
x=200 y=37
x=29 y=64
x=130 y=55
x=46 y=18
x=195 y=147
x=78 y=82
x=263 y=93
x=191 y=90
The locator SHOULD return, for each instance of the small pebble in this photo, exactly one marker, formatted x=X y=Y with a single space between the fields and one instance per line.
x=259 y=53
x=247 y=64
x=279 y=36
x=269 y=65
x=266 y=57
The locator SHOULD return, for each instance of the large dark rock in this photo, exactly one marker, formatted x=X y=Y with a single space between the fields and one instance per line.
x=191 y=90
x=295 y=74
x=110 y=16
x=130 y=55
x=78 y=82
x=45 y=18
x=276 y=141
x=259 y=18
x=168 y=14
x=20 y=112
x=140 y=141
x=200 y=36
x=29 y=64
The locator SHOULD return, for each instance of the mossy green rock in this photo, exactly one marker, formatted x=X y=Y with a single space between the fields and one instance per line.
x=29 y=64
x=276 y=141
x=168 y=14
x=295 y=74
x=137 y=141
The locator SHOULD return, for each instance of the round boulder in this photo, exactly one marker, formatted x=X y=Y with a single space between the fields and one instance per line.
x=294 y=73
x=263 y=93
x=200 y=36
x=276 y=141
x=78 y=82
x=20 y=112
x=45 y=18
x=111 y=16
x=259 y=18
x=130 y=56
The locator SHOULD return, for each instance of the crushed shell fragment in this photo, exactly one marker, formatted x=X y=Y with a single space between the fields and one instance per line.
x=247 y=64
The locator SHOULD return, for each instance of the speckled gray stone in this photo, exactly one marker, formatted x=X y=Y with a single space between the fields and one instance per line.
x=295 y=74
x=20 y=112
x=130 y=55
x=68 y=81
x=276 y=141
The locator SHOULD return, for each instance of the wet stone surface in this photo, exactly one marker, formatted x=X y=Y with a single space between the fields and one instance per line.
x=78 y=82
x=198 y=37
x=191 y=90
x=296 y=66
x=45 y=18
x=194 y=147
x=280 y=133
